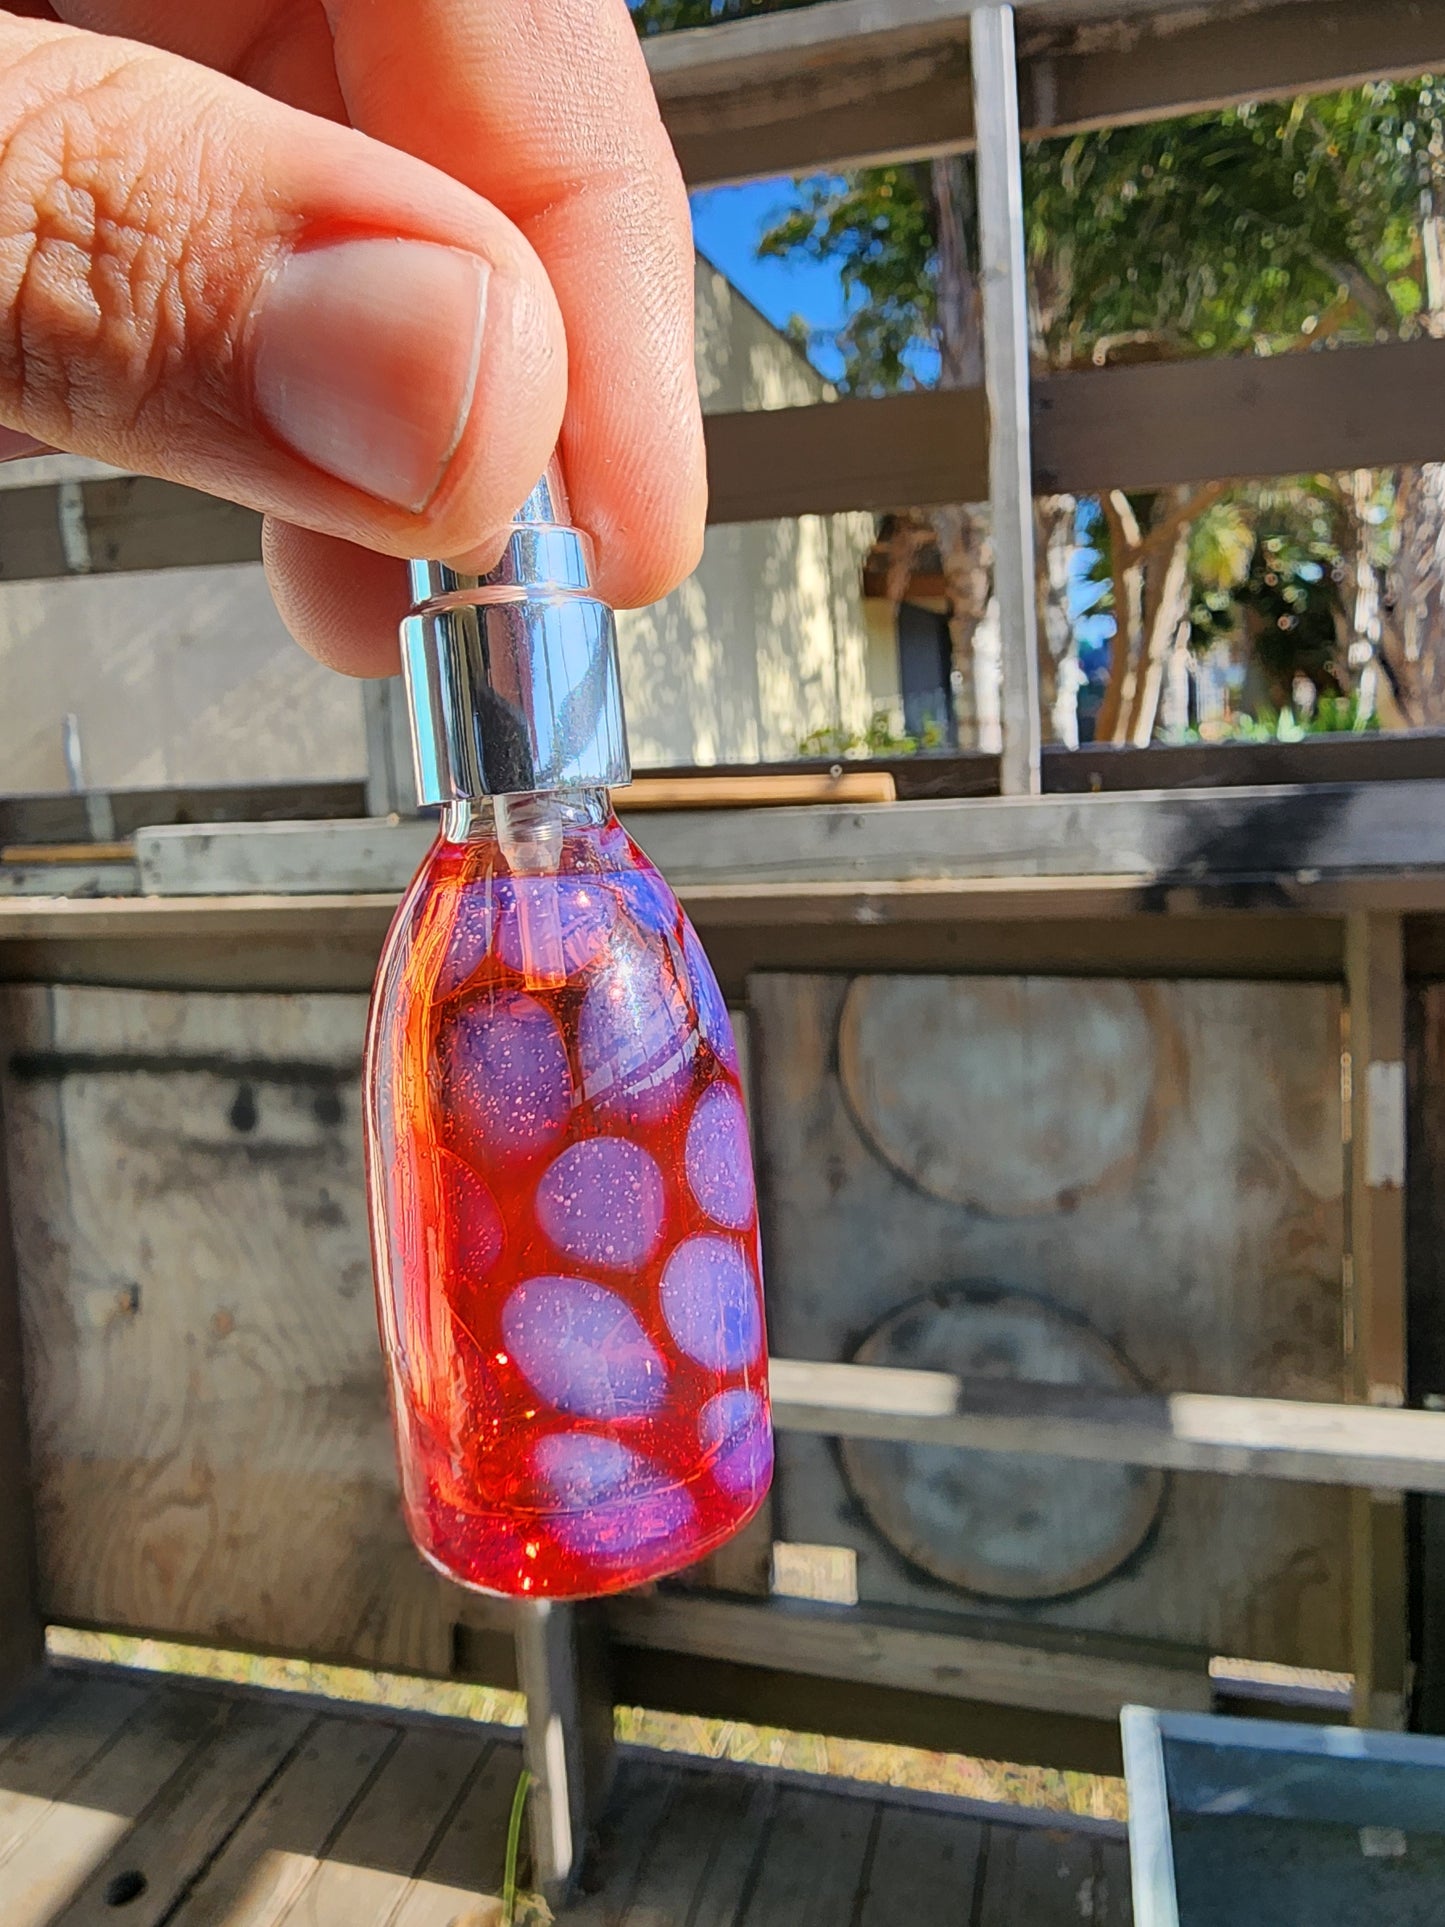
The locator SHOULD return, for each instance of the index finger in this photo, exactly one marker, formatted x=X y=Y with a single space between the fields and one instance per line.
x=545 y=108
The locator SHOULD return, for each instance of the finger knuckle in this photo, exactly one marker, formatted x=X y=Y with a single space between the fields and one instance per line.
x=106 y=283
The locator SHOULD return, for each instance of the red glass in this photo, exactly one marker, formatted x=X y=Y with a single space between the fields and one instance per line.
x=563 y=1213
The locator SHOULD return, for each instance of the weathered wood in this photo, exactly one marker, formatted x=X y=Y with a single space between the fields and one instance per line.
x=923 y=1867
x=1143 y=427
x=209 y=1435
x=851 y=1240
x=1307 y=1442
x=814 y=1863
x=1425 y=1327
x=52 y=1841
x=58 y=818
x=50 y=1741
x=1038 y=1875
x=371 y=1862
x=1137 y=428
x=759 y=791
x=175 y=1837
x=1375 y=976
x=627 y=1833
x=1005 y=300
x=702 y=1858
x=129 y=522
x=1256 y=848
x=562 y=1669
x=22 y=1636
x=1087 y=1678
x=468 y=1863
x=760 y=1694
x=871 y=82
x=266 y=1862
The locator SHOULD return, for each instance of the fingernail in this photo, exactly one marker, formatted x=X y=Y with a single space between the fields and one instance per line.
x=365 y=361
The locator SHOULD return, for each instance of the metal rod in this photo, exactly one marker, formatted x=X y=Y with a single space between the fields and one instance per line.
x=1006 y=378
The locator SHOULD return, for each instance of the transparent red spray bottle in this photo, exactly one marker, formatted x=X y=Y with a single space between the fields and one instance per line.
x=563 y=1212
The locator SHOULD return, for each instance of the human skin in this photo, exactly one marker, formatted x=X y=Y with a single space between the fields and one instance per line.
x=361 y=265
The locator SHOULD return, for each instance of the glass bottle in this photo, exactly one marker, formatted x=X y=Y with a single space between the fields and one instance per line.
x=563 y=1210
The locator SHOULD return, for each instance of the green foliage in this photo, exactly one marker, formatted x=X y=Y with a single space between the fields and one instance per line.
x=880 y=738
x=1332 y=715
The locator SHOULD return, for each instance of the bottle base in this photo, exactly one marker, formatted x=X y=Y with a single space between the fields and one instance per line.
x=579 y=1574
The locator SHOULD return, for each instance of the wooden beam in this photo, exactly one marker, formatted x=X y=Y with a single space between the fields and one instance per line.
x=129 y=523
x=1075 y=1676
x=1288 y=1439
x=22 y=1640
x=1375 y=982
x=883 y=80
x=1134 y=428
x=1005 y=288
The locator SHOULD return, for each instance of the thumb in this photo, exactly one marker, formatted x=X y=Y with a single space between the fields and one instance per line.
x=201 y=283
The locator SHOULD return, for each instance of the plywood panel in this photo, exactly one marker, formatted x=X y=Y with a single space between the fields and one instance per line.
x=212 y=1454
x=1197 y=1227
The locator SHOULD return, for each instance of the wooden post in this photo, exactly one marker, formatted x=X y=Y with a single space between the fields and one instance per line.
x=1006 y=378
x=390 y=782
x=22 y=1645
x=1375 y=976
x=561 y=1668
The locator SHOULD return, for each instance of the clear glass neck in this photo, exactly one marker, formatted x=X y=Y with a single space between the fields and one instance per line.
x=532 y=817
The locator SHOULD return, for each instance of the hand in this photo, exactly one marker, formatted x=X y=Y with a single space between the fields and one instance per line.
x=357 y=264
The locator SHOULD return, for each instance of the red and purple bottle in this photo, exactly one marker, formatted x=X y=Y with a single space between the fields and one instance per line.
x=563 y=1209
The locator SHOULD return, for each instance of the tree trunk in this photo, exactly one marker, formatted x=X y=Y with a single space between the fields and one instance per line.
x=1059 y=675
x=1127 y=573
x=965 y=550
x=1412 y=643
x=964 y=543
x=1166 y=610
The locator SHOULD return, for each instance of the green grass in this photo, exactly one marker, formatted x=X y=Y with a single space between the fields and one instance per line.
x=897 y=1766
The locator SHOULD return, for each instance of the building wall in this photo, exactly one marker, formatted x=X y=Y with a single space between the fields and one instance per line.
x=188 y=676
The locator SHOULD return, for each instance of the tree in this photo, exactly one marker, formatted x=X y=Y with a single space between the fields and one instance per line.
x=1263 y=229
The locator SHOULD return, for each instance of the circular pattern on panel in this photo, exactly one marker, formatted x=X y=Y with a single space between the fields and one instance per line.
x=1013 y=1096
x=999 y=1525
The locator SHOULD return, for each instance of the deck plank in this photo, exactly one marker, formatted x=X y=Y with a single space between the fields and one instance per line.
x=193 y=1813
x=701 y=1859
x=370 y=1865
x=640 y=1806
x=924 y=1867
x=57 y=1836
x=1113 y=1900
x=815 y=1862
x=51 y=1743
x=268 y=1860
x=1038 y=1877
x=468 y=1863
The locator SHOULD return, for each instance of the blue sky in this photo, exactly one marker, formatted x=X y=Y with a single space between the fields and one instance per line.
x=726 y=225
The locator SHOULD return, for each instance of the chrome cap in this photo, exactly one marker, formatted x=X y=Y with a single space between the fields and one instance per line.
x=512 y=678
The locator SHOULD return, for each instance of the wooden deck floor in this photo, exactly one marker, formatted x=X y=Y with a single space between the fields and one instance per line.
x=125 y=1798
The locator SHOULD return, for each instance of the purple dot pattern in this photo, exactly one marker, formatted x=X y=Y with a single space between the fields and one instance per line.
x=719 y=1158
x=735 y=1436
x=710 y=1302
x=504 y=1070
x=469 y=940
x=616 y=1504
x=712 y=1010
x=636 y=1040
x=601 y=1203
x=582 y=1349
x=583 y=908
